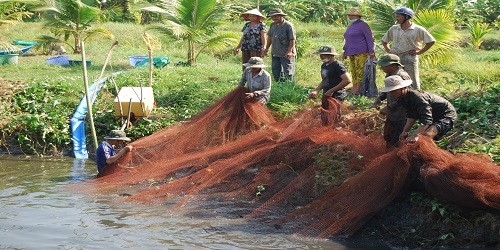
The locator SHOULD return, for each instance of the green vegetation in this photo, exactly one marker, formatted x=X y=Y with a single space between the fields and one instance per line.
x=195 y=22
x=70 y=18
x=181 y=92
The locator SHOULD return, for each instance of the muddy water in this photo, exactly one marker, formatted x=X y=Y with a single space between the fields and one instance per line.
x=37 y=210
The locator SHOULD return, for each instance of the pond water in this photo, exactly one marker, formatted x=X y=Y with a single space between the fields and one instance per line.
x=38 y=210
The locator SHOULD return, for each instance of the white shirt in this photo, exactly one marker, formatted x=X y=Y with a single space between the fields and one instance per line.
x=405 y=40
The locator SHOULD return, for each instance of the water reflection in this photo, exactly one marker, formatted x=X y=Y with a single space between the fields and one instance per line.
x=38 y=210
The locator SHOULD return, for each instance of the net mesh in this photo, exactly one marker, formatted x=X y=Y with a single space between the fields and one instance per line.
x=235 y=150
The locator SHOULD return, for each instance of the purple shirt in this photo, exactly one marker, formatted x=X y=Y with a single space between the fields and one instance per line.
x=358 y=39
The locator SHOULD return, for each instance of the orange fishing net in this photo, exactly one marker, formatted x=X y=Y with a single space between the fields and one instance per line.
x=236 y=151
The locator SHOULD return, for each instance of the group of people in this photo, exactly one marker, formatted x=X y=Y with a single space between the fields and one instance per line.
x=403 y=42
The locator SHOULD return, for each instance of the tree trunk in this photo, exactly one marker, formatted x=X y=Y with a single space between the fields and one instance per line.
x=78 y=48
x=191 y=53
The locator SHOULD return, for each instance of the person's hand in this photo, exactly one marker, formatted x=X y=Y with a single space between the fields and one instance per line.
x=128 y=148
x=249 y=95
x=329 y=92
x=412 y=138
x=372 y=56
x=344 y=56
x=264 y=52
x=313 y=94
x=288 y=55
x=384 y=111
x=412 y=52
x=376 y=103
x=236 y=51
x=403 y=136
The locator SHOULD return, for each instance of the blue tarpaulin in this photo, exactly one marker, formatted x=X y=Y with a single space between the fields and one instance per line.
x=78 y=120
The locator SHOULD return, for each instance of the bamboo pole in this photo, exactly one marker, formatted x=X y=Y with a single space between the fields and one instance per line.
x=108 y=57
x=87 y=96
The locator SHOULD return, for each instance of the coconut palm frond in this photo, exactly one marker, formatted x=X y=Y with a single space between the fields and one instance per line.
x=383 y=10
x=219 y=42
x=418 y=5
x=98 y=33
x=438 y=24
x=170 y=29
x=190 y=20
x=73 y=18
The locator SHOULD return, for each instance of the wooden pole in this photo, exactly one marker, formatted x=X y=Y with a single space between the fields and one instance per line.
x=107 y=59
x=87 y=96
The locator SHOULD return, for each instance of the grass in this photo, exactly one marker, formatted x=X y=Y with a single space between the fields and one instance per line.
x=181 y=92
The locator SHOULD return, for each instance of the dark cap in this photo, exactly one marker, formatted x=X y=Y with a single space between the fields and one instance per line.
x=326 y=50
x=275 y=12
x=388 y=59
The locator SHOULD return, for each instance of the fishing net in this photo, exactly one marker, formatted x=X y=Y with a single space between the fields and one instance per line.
x=318 y=173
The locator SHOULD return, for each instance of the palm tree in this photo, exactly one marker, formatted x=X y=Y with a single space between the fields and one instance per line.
x=72 y=18
x=195 y=22
x=435 y=16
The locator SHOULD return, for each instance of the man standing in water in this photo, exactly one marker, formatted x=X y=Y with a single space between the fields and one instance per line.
x=407 y=39
x=106 y=152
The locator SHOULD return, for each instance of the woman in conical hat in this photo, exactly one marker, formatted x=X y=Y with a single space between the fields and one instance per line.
x=253 y=40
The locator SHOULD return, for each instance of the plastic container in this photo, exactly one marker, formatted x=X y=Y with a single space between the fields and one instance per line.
x=134 y=60
x=9 y=59
x=58 y=60
x=141 y=101
x=79 y=63
x=140 y=61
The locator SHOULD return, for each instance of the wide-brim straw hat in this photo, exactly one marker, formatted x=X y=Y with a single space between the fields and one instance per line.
x=326 y=50
x=255 y=62
x=275 y=12
x=117 y=135
x=354 y=12
x=395 y=82
x=255 y=12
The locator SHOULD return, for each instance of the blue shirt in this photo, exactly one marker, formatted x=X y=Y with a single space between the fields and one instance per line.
x=104 y=151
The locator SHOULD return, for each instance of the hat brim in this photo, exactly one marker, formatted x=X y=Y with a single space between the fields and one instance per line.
x=117 y=138
x=353 y=14
x=326 y=53
x=404 y=83
x=277 y=14
x=383 y=64
x=254 y=65
x=261 y=18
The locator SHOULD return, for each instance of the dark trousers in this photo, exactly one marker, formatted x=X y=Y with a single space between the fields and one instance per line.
x=283 y=68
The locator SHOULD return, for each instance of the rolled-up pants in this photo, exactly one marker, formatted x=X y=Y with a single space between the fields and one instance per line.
x=283 y=68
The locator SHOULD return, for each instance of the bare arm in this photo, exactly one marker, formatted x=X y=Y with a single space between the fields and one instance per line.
x=425 y=48
x=263 y=38
x=386 y=47
x=346 y=79
x=314 y=92
x=409 y=123
x=119 y=155
x=290 y=51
